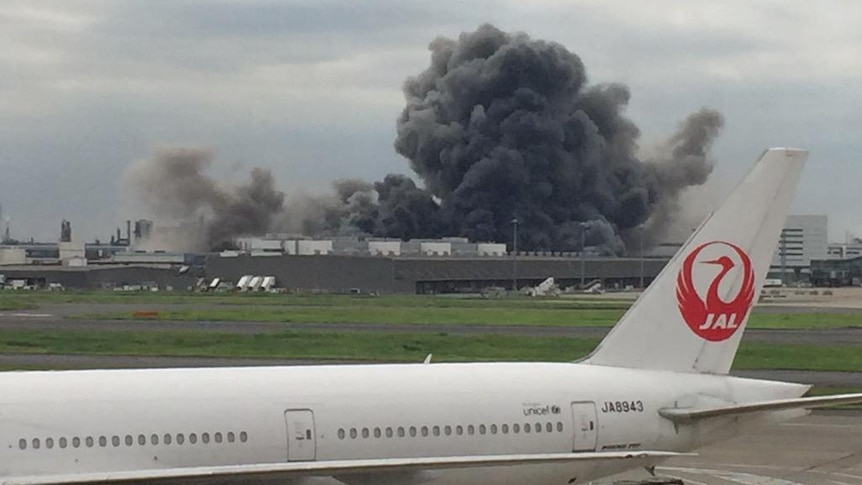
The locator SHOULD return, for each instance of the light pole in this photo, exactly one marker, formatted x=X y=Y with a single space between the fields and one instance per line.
x=641 y=256
x=515 y=223
x=583 y=261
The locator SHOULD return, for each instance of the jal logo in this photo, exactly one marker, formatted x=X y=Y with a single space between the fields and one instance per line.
x=715 y=289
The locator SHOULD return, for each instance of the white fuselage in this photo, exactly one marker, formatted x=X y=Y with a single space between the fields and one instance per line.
x=88 y=421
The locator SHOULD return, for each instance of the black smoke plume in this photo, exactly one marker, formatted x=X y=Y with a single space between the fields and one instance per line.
x=174 y=184
x=499 y=127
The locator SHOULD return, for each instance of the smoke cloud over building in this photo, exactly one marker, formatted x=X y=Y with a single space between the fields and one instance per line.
x=175 y=186
x=499 y=127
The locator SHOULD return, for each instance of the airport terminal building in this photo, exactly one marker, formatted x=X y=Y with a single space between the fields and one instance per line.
x=393 y=266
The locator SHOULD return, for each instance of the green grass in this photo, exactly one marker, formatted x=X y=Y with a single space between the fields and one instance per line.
x=489 y=315
x=317 y=300
x=8 y=304
x=363 y=346
x=390 y=315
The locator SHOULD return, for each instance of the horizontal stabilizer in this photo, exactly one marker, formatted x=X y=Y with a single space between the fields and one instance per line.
x=689 y=415
x=282 y=471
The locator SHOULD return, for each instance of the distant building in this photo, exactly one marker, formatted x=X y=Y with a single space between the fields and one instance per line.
x=802 y=240
x=844 y=250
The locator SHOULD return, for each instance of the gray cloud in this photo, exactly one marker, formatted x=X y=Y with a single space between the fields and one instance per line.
x=87 y=87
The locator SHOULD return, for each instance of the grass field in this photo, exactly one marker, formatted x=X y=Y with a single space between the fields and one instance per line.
x=317 y=300
x=489 y=315
x=403 y=309
x=13 y=305
x=384 y=347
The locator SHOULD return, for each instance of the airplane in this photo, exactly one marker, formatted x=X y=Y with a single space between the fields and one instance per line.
x=656 y=387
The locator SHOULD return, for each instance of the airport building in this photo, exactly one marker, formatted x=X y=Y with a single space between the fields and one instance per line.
x=351 y=264
x=802 y=239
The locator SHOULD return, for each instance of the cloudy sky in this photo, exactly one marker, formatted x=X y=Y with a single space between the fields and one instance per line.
x=311 y=89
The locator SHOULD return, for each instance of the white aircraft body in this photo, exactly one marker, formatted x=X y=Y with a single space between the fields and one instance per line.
x=657 y=386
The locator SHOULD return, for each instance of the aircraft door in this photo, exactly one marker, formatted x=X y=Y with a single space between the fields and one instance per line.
x=301 y=441
x=586 y=426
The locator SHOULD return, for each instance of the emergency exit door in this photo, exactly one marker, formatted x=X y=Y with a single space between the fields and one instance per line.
x=301 y=442
x=586 y=429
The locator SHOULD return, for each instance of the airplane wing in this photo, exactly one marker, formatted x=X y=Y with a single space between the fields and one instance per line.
x=271 y=472
x=690 y=415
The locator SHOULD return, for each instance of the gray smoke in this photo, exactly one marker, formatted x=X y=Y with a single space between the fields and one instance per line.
x=502 y=126
x=173 y=183
x=680 y=162
x=498 y=127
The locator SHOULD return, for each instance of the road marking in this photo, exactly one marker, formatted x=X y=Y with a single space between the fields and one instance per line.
x=737 y=477
x=32 y=315
x=814 y=425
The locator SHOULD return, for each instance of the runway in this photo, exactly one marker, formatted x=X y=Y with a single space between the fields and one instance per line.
x=824 y=448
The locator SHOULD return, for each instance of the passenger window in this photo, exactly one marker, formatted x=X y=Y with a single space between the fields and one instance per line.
x=180 y=439
x=89 y=441
x=63 y=442
x=115 y=440
x=218 y=437
x=424 y=430
x=459 y=430
x=447 y=430
x=103 y=441
x=377 y=432
x=526 y=427
x=400 y=431
x=353 y=433
x=243 y=436
x=341 y=433
x=493 y=429
x=76 y=442
x=388 y=432
x=559 y=426
x=413 y=431
x=538 y=427
x=365 y=433
x=205 y=437
x=549 y=427
x=482 y=429
x=435 y=430
x=36 y=444
x=167 y=438
x=231 y=437
x=516 y=428
x=130 y=441
x=142 y=440
x=22 y=444
x=193 y=438
x=471 y=430
x=154 y=439
x=49 y=443
x=505 y=428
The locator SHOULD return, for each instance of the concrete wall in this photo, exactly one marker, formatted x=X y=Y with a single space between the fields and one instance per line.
x=13 y=256
x=313 y=247
x=491 y=249
x=315 y=272
x=435 y=248
x=384 y=248
x=93 y=277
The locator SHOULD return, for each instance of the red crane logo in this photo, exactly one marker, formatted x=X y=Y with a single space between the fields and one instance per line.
x=713 y=318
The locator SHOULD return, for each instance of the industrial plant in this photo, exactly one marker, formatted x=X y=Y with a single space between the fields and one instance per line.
x=130 y=261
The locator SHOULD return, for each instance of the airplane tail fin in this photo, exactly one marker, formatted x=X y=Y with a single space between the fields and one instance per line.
x=691 y=318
